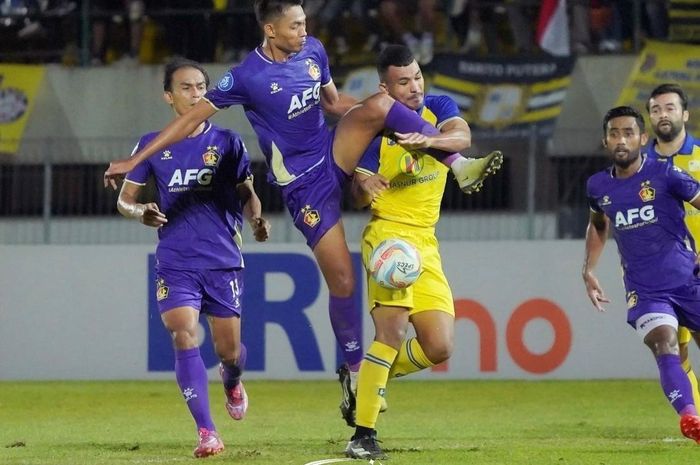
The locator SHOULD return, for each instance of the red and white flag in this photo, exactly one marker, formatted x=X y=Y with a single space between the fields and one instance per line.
x=553 y=28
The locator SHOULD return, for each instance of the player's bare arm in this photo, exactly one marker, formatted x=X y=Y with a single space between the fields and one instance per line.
x=128 y=205
x=596 y=235
x=366 y=187
x=454 y=136
x=336 y=103
x=252 y=211
x=175 y=131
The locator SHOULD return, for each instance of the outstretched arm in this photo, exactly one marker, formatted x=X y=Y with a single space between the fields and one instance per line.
x=147 y=213
x=596 y=235
x=455 y=136
x=177 y=130
x=252 y=210
x=336 y=103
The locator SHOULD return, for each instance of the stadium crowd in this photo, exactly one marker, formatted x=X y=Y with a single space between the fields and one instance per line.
x=102 y=32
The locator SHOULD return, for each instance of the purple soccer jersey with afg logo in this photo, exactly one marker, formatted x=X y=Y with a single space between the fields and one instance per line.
x=647 y=218
x=282 y=101
x=196 y=180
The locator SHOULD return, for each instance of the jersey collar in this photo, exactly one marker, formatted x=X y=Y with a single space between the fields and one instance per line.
x=686 y=148
x=641 y=165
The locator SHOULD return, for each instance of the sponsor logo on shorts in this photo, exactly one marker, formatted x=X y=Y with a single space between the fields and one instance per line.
x=161 y=289
x=650 y=320
x=311 y=217
x=631 y=299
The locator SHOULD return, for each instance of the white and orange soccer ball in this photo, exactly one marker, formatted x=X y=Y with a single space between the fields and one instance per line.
x=394 y=264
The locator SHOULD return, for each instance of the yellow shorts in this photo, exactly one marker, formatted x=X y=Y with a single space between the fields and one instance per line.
x=684 y=336
x=430 y=291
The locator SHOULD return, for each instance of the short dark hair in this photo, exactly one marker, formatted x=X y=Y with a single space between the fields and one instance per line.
x=178 y=63
x=394 y=55
x=669 y=88
x=623 y=111
x=268 y=9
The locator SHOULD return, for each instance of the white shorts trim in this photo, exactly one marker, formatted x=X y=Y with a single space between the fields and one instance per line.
x=649 y=321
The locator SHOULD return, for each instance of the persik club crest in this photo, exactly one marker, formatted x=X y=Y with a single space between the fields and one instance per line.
x=632 y=299
x=161 y=289
x=314 y=70
x=648 y=193
x=311 y=217
x=211 y=157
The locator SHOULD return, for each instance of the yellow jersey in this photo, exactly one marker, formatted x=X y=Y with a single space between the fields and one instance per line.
x=688 y=159
x=416 y=179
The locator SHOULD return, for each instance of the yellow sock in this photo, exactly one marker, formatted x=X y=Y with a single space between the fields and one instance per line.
x=371 y=382
x=411 y=358
x=693 y=381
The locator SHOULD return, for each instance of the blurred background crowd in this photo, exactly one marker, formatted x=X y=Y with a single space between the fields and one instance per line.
x=128 y=32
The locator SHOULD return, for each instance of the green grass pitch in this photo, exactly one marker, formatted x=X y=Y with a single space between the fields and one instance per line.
x=298 y=422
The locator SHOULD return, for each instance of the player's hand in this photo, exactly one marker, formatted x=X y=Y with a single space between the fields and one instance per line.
x=595 y=292
x=412 y=140
x=116 y=172
x=373 y=185
x=152 y=216
x=261 y=229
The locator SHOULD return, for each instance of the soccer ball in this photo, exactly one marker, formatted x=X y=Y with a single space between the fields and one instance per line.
x=394 y=264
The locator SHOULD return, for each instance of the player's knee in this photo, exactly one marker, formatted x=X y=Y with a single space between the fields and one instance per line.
x=393 y=336
x=662 y=347
x=184 y=339
x=438 y=351
x=228 y=355
x=341 y=284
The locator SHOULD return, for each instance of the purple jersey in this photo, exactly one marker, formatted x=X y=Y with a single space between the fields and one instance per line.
x=647 y=217
x=196 y=180
x=443 y=107
x=282 y=101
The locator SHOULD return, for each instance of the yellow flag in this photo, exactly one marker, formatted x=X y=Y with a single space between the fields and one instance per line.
x=19 y=85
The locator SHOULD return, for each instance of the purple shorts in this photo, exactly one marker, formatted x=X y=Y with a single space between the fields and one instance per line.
x=213 y=292
x=315 y=200
x=682 y=302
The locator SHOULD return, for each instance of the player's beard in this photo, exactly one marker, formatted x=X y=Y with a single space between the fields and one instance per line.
x=668 y=133
x=626 y=162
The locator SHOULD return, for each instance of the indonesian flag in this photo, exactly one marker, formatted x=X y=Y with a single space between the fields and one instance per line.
x=553 y=28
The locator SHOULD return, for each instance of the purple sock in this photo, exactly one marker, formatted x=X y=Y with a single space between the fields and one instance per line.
x=402 y=119
x=675 y=383
x=232 y=373
x=345 y=320
x=191 y=376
